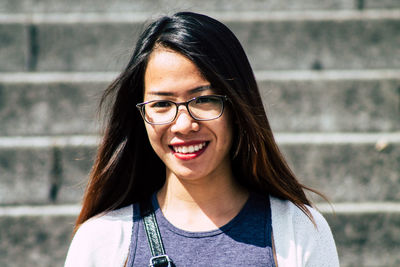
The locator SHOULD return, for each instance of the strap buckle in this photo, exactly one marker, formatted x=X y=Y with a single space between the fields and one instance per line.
x=160 y=261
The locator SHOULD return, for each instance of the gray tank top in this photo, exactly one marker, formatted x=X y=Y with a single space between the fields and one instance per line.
x=244 y=241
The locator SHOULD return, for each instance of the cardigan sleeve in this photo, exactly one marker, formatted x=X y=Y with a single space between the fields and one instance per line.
x=321 y=248
x=102 y=241
x=298 y=242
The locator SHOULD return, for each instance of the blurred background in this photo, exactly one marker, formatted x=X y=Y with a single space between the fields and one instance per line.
x=329 y=74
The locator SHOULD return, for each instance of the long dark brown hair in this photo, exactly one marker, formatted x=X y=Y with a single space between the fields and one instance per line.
x=126 y=168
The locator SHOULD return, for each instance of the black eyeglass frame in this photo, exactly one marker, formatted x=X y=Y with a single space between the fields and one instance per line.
x=141 y=106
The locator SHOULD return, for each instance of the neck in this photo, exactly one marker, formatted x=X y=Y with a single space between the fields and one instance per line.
x=201 y=205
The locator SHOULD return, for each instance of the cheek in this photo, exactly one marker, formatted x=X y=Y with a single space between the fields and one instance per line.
x=228 y=128
x=155 y=135
x=229 y=136
x=225 y=133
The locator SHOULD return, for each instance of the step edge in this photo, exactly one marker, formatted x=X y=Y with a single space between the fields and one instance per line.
x=325 y=208
x=328 y=75
x=380 y=140
x=49 y=141
x=226 y=16
x=358 y=208
x=275 y=75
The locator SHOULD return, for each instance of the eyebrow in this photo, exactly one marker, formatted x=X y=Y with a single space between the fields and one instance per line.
x=191 y=91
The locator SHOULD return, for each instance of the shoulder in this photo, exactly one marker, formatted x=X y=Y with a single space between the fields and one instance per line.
x=285 y=212
x=298 y=240
x=105 y=225
x=102 y=240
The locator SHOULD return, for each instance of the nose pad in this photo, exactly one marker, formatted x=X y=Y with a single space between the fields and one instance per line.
x=183 y=116
x=184 y=123
x=183 y=110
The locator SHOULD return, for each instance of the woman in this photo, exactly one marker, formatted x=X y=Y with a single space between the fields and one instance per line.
x=198 y=154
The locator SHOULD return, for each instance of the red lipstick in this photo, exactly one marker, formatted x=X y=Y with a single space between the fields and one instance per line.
x=188 y=150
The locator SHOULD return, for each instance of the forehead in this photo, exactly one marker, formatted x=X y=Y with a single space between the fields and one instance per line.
x=170 y=72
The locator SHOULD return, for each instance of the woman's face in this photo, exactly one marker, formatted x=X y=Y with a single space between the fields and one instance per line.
x=171 y=76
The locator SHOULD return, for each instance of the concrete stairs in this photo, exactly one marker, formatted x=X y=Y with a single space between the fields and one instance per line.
x=329 y=73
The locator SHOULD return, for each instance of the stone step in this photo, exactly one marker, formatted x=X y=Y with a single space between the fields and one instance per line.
x=29 y=6
x=272 y=40
x=49 y=108
x=332 y=104
x=362 y=238
x=346 y=167
x=46 y=173
x=42 y=240
x=367 y=239
x=45 y=170
x=299 y=101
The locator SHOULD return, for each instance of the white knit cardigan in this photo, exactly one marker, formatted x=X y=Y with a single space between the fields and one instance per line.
x=104 y=240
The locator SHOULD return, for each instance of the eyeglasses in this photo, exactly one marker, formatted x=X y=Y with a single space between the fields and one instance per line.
x=201 y=108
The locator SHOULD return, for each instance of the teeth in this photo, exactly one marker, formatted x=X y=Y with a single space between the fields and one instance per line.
x=189 y=149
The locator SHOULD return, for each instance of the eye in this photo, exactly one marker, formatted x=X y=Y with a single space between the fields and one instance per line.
x=206 y=100
x=160 y=104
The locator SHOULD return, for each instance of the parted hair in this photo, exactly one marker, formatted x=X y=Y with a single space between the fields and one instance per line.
x=126 y=168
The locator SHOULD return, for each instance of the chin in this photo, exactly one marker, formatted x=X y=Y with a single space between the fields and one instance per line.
x=186 y=174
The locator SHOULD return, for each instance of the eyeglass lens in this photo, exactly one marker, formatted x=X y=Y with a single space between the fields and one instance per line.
x=200 y=108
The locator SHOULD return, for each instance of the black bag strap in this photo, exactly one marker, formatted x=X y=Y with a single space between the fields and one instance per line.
x=159 y=258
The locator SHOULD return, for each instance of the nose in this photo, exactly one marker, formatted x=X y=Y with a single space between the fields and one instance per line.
x=184 y=123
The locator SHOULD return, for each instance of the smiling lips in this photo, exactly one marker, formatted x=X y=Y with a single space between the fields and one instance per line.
x=188 y=151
